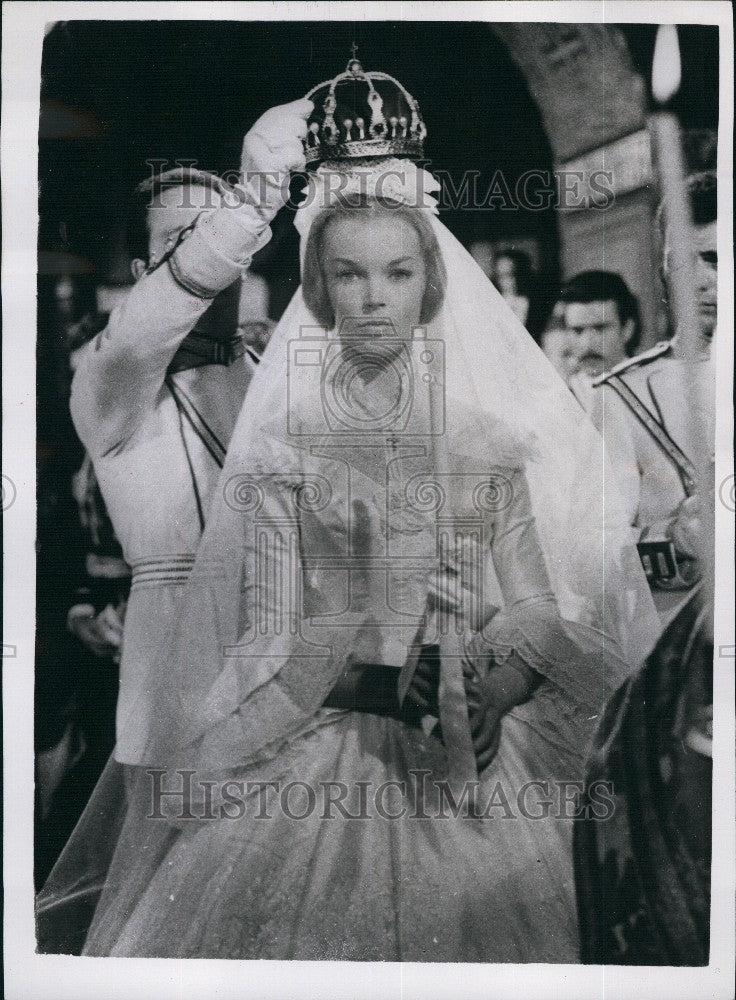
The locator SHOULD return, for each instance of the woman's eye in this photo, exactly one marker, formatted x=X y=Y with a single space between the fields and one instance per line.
x=401 y=273
x=343 y=275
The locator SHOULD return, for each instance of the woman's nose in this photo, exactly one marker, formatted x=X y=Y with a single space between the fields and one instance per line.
x=373 y=296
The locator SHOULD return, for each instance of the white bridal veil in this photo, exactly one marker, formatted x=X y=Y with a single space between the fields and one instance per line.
x=352 y=527
x=284 y=591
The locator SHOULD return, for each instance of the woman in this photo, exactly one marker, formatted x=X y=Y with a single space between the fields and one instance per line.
x=404 y=494
x=400 y=589
x=522 y=290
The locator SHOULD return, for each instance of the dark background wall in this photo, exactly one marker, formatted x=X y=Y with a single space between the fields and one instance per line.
x=116 y=94
x=506 y=98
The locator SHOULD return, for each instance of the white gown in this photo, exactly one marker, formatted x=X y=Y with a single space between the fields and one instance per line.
x=322 y=548
x=497 y=889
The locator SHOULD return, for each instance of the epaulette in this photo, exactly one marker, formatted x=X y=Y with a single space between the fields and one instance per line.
x=639 y=359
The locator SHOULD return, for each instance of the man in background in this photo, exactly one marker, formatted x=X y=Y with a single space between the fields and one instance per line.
x=643 y=876
x=157 y=392
x=601 y=315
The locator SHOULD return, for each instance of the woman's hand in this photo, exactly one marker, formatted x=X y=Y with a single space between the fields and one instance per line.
x=492 y=687
x=484 y=714
x=485 y=724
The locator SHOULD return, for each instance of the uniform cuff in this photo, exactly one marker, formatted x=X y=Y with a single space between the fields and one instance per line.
x=218 y=249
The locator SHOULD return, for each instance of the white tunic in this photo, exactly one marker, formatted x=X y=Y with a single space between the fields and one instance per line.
x=148 y=461
x=648 y=479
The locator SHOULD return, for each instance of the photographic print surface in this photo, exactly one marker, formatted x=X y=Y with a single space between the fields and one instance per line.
x=378 y=476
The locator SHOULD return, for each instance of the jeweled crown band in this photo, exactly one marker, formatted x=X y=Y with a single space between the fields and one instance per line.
x=365 y=148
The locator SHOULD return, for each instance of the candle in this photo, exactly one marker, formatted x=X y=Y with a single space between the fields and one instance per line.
x=665 y=133
x=667 y=145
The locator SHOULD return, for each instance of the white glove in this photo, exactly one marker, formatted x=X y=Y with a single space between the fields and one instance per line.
x=687 y=529
x=272 y=150
x=224 y=241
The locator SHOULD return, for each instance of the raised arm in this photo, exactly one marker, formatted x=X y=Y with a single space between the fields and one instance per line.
x=124 y=367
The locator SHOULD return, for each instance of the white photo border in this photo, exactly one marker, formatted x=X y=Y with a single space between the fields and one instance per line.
x=50 y=977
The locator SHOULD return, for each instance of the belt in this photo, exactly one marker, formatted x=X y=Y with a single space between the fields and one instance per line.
x=373 y=688
x=162 y=571
x=198 y=350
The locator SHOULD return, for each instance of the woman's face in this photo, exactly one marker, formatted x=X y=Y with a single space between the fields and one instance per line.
x=375 y=276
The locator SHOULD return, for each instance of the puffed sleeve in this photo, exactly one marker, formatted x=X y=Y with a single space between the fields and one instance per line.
x=577 y=659
x=517 y=554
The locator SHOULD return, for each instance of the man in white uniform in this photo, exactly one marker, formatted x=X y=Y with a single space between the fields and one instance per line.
x=156 y=394
x=643 y=413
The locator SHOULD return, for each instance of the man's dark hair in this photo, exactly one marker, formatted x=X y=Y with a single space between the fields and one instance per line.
x=605 y=286
x=702 y=189
x=144 y=195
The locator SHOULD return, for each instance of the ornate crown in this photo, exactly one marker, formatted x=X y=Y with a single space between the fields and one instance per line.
x=359 y=115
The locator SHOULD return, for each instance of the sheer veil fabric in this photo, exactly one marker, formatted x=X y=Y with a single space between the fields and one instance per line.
x=352 y=523
x=254 y=653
